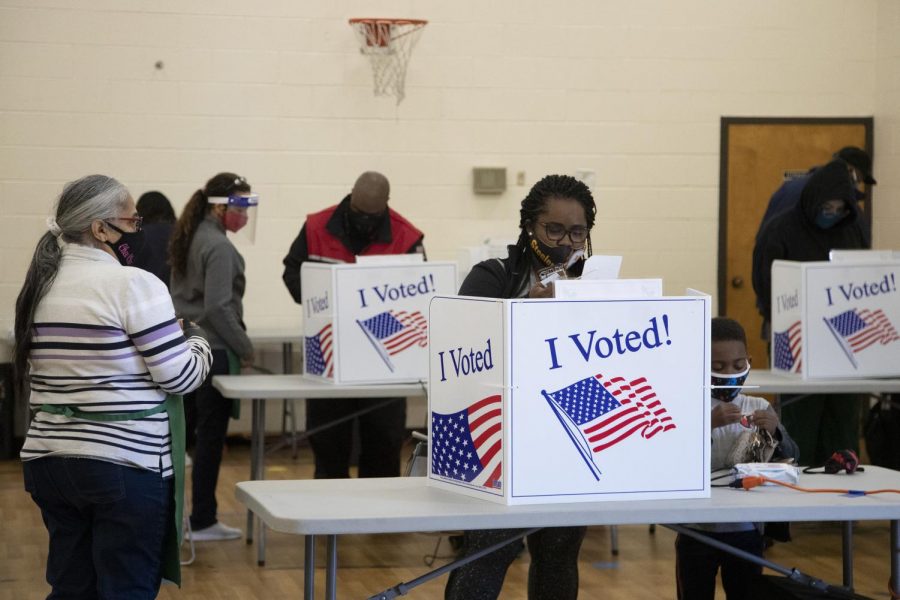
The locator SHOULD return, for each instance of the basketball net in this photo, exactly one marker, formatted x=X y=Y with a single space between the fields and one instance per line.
x=388 y=43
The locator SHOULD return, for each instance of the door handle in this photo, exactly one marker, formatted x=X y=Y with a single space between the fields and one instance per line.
x=737 y=282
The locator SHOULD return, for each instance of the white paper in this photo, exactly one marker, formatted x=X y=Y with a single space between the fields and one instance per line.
x=602 y=267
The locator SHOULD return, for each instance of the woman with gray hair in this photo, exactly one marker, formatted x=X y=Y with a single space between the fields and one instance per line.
x=104 y=358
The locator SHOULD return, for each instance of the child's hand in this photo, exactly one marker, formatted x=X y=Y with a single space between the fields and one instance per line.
x=725 y=414
x=766 y=419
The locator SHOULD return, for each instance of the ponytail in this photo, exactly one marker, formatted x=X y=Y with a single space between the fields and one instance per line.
x=41 y=273
x=193 y=214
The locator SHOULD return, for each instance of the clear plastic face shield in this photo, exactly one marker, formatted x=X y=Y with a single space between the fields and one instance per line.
x=240 y=216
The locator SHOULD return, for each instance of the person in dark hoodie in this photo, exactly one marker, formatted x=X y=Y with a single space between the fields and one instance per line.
x=826 y=218
x=858 y=163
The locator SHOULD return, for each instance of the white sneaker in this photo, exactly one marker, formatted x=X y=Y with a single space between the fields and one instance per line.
x=216 y=533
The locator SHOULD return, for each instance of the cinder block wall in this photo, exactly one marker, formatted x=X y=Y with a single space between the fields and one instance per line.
x=278 y=92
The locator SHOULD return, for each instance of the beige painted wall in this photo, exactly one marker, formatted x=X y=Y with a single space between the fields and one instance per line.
x=278 y=92
x=887 y=125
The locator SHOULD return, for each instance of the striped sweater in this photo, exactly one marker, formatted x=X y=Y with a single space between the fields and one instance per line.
x=106 y=340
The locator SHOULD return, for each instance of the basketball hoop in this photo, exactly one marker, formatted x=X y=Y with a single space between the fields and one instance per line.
x=388 y=43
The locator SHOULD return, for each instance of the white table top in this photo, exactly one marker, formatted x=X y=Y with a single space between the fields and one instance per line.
x=262 y=387
x=402 y=504
x=779 y=383
x=274 y=335
x=298 y=386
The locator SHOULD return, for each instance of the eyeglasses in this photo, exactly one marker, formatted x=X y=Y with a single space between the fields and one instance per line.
x=834 y=207
x=557 y=231
x=136 y=222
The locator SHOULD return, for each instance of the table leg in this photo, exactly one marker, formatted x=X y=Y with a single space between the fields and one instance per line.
x=255 y=439
x=287 y=356
x=309 y=568
x=895 y=558
x=847 y=552
x=259 y=430
x=260 y=543
x=331 y=569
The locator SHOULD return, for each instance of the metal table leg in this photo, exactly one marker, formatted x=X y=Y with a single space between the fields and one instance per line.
x=259 y=458
x=331 y=569
x=309 y=568
x=254 y=442
x=847 y=553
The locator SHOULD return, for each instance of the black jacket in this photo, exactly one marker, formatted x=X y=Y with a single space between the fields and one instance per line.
x=153 y=257
x=505 y=278
x=793 y=234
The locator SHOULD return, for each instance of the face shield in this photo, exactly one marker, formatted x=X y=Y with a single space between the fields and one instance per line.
x=240 y=217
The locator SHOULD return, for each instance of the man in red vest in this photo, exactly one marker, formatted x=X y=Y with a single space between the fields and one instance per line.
x=360 y=225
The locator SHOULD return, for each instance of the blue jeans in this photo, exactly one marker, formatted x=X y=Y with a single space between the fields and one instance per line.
x=107 y=523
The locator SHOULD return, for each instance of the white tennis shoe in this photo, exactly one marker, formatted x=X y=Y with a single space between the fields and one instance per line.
x=216 y=533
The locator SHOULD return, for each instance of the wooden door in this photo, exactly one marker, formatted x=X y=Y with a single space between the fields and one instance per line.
x=757 y=155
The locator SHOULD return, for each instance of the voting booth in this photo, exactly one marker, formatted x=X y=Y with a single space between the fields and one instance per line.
x=566 y=400
x=368 y=323
x=836 y=319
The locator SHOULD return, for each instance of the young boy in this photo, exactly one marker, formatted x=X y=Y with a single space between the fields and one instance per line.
x=696 y=563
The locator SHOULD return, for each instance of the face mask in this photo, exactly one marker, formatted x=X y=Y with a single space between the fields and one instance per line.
x=550 y=255
x=128 y=246
x=828 y=220
x=364 y=225
x=736 y=379
x=234 y=221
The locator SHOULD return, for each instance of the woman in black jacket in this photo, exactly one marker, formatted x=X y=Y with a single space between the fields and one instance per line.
x=555 y=222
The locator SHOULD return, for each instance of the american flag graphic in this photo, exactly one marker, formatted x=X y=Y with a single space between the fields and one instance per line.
x=466 y=445
x=855 y=330
x=392 y=332
x=786 y=349
x=599 y=412
x=319 y=353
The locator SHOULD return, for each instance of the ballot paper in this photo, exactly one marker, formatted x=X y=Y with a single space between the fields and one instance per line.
x=602 y=266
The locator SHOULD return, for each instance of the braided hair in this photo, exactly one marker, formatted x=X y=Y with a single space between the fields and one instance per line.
x=535 y=203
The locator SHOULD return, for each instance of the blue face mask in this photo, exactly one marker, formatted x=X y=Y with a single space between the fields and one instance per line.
x=728 y=394
x=828 y=220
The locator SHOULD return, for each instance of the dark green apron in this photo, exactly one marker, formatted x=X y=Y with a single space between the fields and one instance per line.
x=174 y=408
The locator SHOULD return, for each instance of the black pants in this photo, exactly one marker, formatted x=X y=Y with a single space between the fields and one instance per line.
x=696 y=565
x=207 y=413
x=552 y=575
x=822 y=424
x=381 y=434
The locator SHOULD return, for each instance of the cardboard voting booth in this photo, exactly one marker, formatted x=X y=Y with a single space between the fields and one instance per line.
x=836 y=319
x=368 y=323
x=535 y=401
